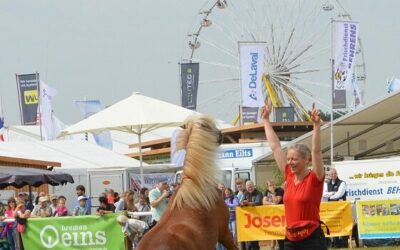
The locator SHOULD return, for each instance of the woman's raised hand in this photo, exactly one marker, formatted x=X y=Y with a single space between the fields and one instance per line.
x=314 y=114
x=266 y=110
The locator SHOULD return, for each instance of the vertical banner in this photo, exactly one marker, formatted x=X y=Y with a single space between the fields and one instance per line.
x=28 y=94
x=345 y=52
x=378 y=219
x=251 y=69
x=79 y=232
x=249 y=115
x=189 y=84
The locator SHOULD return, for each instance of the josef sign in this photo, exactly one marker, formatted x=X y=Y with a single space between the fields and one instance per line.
x=82 y=232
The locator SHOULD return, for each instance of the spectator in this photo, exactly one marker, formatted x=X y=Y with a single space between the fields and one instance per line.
x=81 y=209
x=61 y=210
x=2 y=209
x=21 y=214
x=132 y=228
x=127 y=203
x=116 y=197
x=80 y=191
x=43 y=208
x=335 y=190
x=303 y=187
x=3 y=237
x=11 y=227
x=54 y=203
x=146 y=192
x=41 y=194
x=110 y=196
x=240 y=189
x=144 y=206
x=158 y=201
x=104 y=207
x=252 y=197
x=274 y=196
x=232 y=202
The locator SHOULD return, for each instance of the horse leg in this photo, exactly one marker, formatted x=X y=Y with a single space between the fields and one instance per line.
x=226 y=239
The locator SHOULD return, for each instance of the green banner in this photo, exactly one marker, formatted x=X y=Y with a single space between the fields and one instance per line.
x=90 y=232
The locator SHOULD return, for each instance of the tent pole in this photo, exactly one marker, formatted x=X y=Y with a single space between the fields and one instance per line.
x=30 y=194
x=141 y=159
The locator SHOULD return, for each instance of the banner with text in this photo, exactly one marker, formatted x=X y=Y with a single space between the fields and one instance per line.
x=189 y=84
x=378 y=219
x=90 y=232
x=28 y=93
x=345 y=52
x=150 y=180
x=269 y=223
x=251 y=69
x=249 y=115
x=371 y=179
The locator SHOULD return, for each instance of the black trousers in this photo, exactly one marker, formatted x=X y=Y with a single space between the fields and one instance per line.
x=316 y=241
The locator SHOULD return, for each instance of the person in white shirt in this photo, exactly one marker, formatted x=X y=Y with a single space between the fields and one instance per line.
x=335 y=189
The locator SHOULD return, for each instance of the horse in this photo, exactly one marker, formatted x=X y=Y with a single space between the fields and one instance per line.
x=196 y=217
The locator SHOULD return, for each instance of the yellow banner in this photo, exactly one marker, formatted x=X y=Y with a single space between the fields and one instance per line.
x=378 y=219
x=269 y=223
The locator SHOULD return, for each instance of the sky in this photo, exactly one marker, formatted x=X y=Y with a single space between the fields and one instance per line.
x=108 y=49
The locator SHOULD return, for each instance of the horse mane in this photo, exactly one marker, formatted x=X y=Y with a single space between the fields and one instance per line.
x=200 y=138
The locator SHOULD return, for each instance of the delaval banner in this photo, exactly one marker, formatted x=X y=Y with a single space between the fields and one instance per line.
x=345 y=53
x=79 y=232
x=189 y=84
x=28 y=93
x=251 y=70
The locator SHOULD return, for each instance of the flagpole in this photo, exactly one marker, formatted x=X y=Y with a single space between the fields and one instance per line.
x=333 y=82
x=19 y=99
x=40 y=115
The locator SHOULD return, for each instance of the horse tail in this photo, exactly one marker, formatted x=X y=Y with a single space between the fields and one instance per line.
x=200 y=137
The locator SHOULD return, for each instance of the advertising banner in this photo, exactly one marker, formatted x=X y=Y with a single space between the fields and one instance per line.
x=150 y=180
x=371 y=179
x=90 y=232
x=28 y=93
x=378 y=219
x=345 y=52
x=249 y=115
x=284 y=114
x=269 y=223
x=189 y=84
x=251 y=70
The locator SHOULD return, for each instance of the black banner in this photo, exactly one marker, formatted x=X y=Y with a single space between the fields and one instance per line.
x=339 y=99
x=284 y=114
x=28 y=93
x=189 y=84
x=249 y=115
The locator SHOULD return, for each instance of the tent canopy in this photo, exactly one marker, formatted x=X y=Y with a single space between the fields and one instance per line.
x=370 y=132
x=137 y=114
x=19 y=177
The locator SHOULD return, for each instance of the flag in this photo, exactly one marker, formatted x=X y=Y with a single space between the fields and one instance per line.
x=345 y=52
x=189 y=84
x=251 y=70
x=46 y=112
x=1 y=127
x=91 y=107
x=27 y=86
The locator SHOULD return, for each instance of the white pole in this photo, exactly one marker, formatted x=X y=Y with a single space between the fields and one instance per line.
x=141 y=158
x=333 y=82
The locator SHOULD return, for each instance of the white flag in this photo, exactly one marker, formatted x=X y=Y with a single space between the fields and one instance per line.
x=251 y=70
x=345 y=53
x=47 y=121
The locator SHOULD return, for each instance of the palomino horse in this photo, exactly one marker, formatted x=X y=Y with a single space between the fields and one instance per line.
x=196 y=217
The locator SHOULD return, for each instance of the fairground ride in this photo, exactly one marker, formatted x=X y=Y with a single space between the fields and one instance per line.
x=297 y=71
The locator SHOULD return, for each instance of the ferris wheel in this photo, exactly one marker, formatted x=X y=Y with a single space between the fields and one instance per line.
x=297 y=68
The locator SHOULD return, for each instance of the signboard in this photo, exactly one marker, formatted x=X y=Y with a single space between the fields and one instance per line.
x=370 y=179
x=249 y=115
x=235 y=153
x=28 y=93
x=189 y=84
x=378 y=219
x=150 y=180
x=269 y=223
x=284 y=114
x=78 y=232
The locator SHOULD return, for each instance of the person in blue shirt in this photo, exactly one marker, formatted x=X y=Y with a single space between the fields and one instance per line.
x=80 y=191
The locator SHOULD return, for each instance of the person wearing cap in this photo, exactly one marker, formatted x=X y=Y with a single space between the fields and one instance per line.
x=81 y=209
x=158 y=200
x=42 y=209
x=80 y=191
x=132 y=228
x=54 y=203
